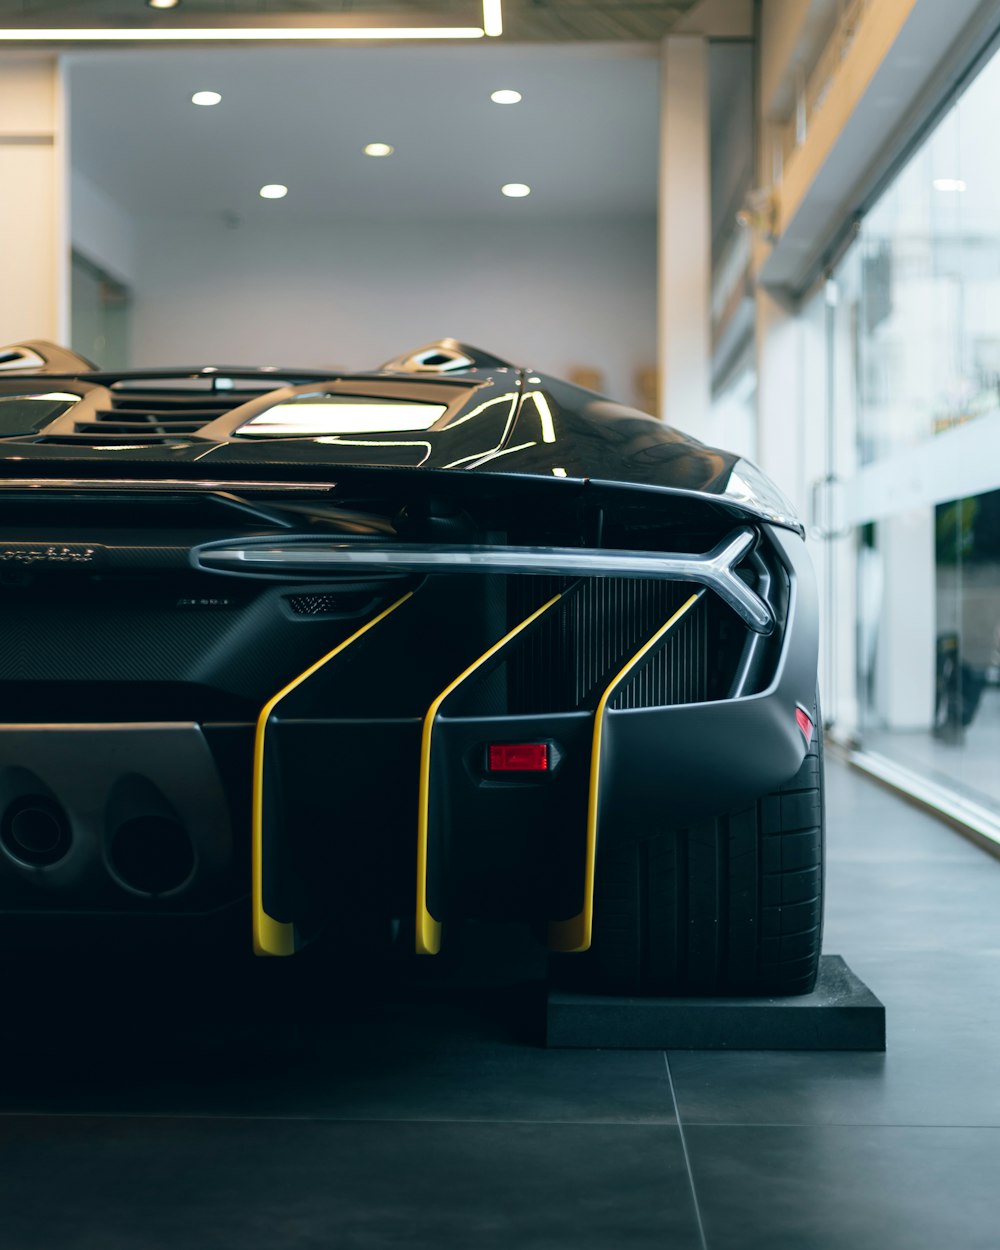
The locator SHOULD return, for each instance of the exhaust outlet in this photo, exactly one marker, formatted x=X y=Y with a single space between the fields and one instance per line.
x=149 y=851
x=35 y=831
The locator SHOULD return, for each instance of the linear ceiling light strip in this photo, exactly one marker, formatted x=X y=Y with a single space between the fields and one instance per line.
x=492 y=18
x=492 y=27
x=222 y=34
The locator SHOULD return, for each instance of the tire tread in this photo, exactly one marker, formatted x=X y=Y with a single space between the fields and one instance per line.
x=732 y=905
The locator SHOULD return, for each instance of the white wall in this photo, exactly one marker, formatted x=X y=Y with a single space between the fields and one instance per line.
x=33 y=251
x=549 y=295
x=101 y=230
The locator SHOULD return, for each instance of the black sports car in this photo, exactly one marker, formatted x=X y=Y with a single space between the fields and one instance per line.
x=449 y=640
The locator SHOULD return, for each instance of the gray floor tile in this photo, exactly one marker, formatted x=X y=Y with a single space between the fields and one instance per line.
x=303 y=1107
x=920 y=927
x=933 y=1087
x=516 y=1084
x=943 y=1016
x=912 y=903
x=837 y=1188
x=867 y=818
x=82 y=1184
x=260 y=1047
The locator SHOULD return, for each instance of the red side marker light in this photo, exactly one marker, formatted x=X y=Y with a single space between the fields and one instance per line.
x=518 y=757
x=805 y=724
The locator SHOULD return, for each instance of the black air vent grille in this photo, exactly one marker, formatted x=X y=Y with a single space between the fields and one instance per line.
x=674 y=672
x=329 y=603
x=165 y=411
x=568 y=661
x=145 y=425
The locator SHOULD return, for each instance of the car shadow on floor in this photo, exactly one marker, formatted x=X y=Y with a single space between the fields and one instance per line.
x=135 y=1028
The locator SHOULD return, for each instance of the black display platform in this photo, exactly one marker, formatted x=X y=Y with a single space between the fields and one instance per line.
x=840 y=1014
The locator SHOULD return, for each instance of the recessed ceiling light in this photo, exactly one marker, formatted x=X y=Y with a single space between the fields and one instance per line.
x=163 y=4
x=516 y=190
x=949 y=184
x=206 y=98
x=379 y=149
x=273 y=191
x=506 y=96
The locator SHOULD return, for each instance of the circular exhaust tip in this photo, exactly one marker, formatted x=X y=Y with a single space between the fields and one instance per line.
x=152 y=854
x=35 y=831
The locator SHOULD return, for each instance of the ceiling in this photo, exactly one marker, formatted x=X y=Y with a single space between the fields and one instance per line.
x=584 y=137
x=524 y=20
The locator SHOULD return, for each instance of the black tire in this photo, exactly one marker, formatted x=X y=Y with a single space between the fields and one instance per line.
x=732 y=906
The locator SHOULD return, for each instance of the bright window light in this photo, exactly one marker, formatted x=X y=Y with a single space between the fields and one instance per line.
x=273 y=191
x=949 y=184
x=206 y=98
x=163 y=4
x=379 y=149
x=506 y=96
x=515 y=190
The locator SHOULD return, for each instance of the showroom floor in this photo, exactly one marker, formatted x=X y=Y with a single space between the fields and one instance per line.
x=164 y=1103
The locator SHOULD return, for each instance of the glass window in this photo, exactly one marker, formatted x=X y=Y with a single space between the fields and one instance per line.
x=957 y=737
x=914 y=367
x=929 y=334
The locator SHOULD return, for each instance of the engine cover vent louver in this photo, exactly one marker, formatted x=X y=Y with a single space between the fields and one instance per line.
x=164 y=412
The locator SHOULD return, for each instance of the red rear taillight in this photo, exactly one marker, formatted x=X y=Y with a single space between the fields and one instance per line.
x=805 y=724
x=518 y=757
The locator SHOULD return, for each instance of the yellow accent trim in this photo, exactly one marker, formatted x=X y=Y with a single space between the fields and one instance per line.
x=270 y=936
x=428 y=930
x=575 y=934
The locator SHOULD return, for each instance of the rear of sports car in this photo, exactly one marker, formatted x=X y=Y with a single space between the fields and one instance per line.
x=376 y=695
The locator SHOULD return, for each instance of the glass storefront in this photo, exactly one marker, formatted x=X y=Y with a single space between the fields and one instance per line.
x=909 y=505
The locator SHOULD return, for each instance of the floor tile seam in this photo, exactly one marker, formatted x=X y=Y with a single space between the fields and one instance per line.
x=687 y=1158
x=851 y=1124
x=883 y=952
x=884 y=949
x=318 y=1119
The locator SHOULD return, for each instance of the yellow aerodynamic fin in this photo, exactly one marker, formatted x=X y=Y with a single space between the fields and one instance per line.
x=428 y=929
x=270 y=936
x=575 y=933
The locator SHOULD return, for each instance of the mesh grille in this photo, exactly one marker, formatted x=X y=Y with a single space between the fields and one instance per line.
x=327 y=603
x=569 y=660
x=674 y=672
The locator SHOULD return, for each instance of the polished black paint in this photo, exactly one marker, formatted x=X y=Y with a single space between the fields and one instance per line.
x=105 y=620
x=500 y=420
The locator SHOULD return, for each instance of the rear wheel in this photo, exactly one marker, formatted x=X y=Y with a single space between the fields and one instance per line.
x=732 y=906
